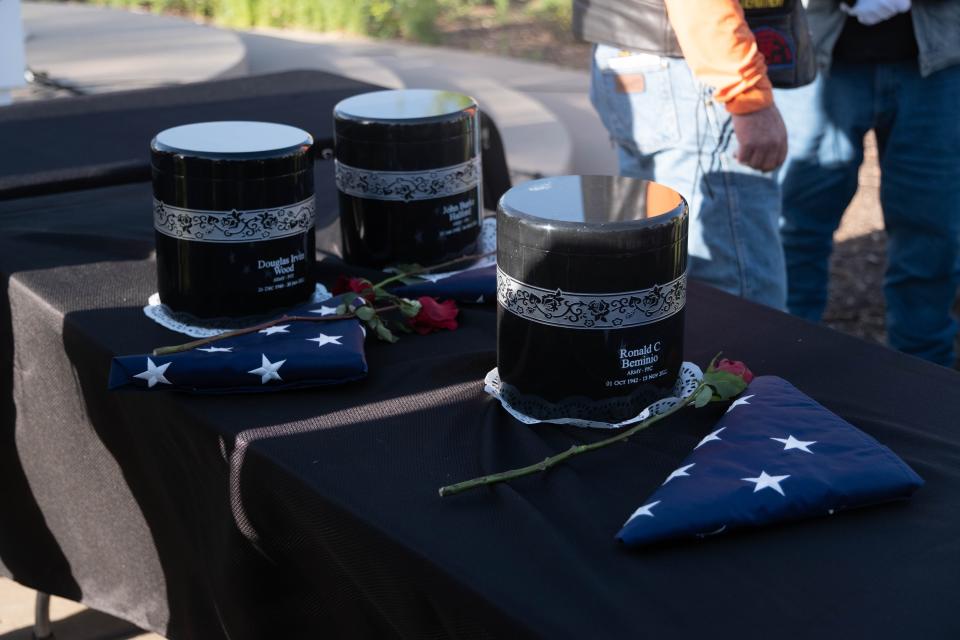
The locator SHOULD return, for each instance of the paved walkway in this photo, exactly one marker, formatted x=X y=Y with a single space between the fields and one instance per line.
x=543 y=112
x=545 y=117
x=98 y=50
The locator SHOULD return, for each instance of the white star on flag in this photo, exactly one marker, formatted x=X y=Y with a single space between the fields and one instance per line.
x=792 y=443
x=764 y=481
x=644 y=510
x=323 y=339
x=153 y=374
x=279 y=328
x=678 y=473
x=325 y=311
x=268 y=370
x=739 y=401
x=216 y=349
x=709 y=437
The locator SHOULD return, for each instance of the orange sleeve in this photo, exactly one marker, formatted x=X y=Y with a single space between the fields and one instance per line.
x=722 y=52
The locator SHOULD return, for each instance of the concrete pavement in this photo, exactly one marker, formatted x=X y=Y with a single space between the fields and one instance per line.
x=98 y=50
x=542 y=111
x=544 y=115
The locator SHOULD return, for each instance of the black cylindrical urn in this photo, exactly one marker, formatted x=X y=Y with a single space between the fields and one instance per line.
x=591 y=288
x=408 y=176
x=233 y=211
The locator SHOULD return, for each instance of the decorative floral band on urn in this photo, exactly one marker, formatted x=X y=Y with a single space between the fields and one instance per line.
x=407 y=186
x=234 y=225
x=591 y=311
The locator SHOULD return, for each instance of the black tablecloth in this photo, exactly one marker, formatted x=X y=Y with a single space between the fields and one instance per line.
x=316 y=512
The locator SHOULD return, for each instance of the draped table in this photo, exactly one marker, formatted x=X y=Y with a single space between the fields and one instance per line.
x=316 y=512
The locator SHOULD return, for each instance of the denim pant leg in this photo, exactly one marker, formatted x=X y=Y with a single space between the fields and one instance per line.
x=826 y=122
x=673 y=132
x=920 y=194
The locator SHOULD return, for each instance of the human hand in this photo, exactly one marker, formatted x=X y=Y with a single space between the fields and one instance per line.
x=871 y=12
x=762 y=139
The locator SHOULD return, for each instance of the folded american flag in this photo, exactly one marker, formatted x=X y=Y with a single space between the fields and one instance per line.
x=284 y=356
x=289 y=355
x=775 y=455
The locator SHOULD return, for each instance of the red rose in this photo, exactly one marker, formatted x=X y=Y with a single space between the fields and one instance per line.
x=735 y=367
x=360 y=286
x=434 y=316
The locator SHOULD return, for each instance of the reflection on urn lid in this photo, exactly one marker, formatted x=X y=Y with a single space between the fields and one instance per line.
x=405 y=115
x=405 y=104
x=593 y=214
x=231 y=139
x=592 y=200
x=232 y=150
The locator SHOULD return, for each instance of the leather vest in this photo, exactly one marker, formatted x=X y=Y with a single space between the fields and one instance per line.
x=936 y=26
x=780 y=27
x=637 y=25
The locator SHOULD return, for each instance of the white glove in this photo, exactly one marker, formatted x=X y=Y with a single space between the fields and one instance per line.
x=871 y=12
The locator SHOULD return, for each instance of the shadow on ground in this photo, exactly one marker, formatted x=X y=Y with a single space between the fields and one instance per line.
x=84 y=625
x=855 y=304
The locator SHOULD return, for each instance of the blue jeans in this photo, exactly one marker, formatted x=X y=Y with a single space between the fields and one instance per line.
x=917 y=124
x=668 y=128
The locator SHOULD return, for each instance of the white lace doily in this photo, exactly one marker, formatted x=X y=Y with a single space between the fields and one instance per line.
x=190 y=325
x=690 y=376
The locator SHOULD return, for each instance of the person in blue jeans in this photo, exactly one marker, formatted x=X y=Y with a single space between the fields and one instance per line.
x=683 y=90
x=895 y=70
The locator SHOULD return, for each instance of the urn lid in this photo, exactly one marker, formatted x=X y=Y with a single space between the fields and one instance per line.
x=588 y=215
x=232 y=150
x=405 y=116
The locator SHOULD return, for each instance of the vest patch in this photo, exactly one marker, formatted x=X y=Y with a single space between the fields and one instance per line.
x=776 y=47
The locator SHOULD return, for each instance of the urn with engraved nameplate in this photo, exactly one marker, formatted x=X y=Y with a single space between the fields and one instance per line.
x=408 y=175
x=591 y=288
x=234 y=217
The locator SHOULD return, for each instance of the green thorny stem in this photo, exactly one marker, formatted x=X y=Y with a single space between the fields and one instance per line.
x=162 y=351
x=442 y=265
x=575 y=450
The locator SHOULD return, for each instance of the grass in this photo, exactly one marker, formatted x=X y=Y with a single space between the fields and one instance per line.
x=409 y=19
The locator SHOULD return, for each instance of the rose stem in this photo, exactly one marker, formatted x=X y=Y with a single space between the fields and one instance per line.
x=442 y=265
x=575 y=450
x=162 y=351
